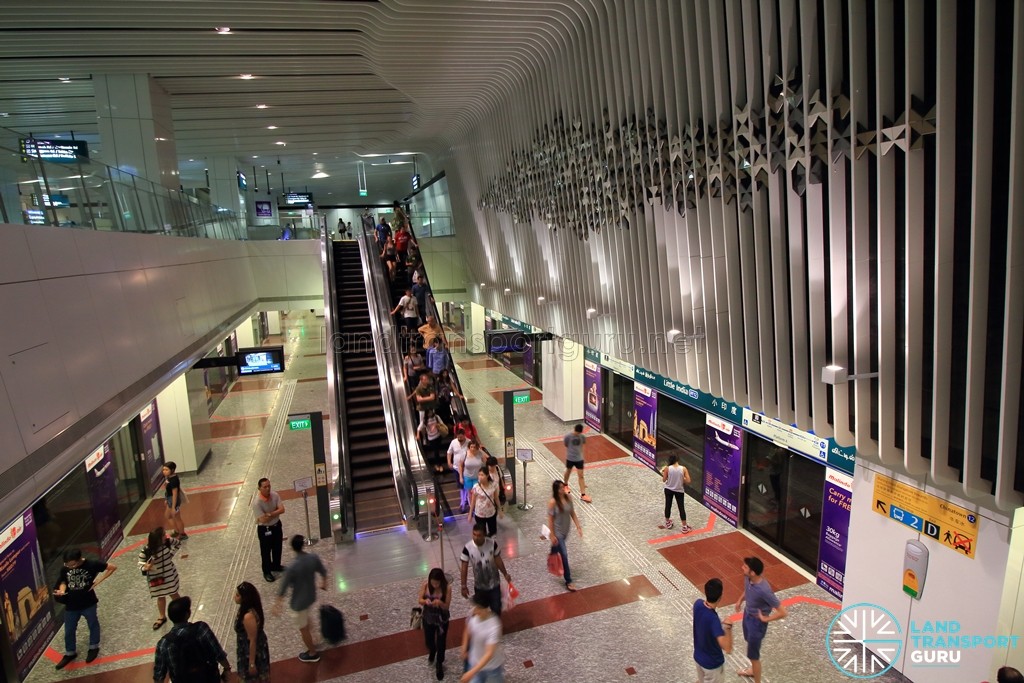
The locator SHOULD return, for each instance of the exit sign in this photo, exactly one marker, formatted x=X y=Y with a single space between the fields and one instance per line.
x=520 y=397
x=300 y=423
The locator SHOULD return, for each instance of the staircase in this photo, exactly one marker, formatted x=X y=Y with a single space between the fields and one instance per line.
x=373 y=485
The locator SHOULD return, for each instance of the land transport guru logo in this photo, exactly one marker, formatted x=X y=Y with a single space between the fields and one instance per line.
x=864 y=640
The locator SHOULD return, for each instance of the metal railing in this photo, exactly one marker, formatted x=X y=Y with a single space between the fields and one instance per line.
x=87 y=194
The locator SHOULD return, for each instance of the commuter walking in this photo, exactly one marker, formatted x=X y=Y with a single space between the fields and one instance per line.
x=415 y=365
x=712 y=639
x=382 y=231
x=76 y=589
x=762 y=607
x=189 y=652
x=483 y=502
x=158 y=567
x=425 y=397
x=174 y=497
x=438 y=358
x=267 y=508
x=456 y=457
x=430 y=435
x=430 y=331
x=436 y=599
x=485 y=556
x=560 y=514
x=481 y=644
x=410 y=313
x=471 y=466
x=251 y=646
x=675 y=477
x=421 y=292
x=300 y=576
x=573 y=443
x=388 y=255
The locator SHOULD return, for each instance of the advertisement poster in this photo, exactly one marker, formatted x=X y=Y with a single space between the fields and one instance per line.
x=592 y=394
x=101 y=475
x=151 y=449
x=28 y=609
x=645 y=425
x=723 y=451
x=835 y=531
x=264 y=210
x=528 y=366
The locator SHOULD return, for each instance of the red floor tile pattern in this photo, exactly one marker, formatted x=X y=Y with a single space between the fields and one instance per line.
x=597 y=449
x=203 y=508
x=478 y=364
x=397 y=647
x=722 y=557
x=233 y=428
x=499 y=395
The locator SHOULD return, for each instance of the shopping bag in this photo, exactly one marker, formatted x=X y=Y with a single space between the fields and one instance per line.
x=416 y=618
x=555 y=564
x=509 y=596
x=332 y=624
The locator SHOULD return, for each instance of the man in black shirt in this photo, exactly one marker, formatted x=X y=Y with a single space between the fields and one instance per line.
x=76 y=589
x=189 y=652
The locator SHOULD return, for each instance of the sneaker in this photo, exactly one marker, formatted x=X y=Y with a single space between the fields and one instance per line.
x=93 y=653
x=685 y=528
x=183 y=537
x=308 y=658
x=668 y=523
x=65 y=660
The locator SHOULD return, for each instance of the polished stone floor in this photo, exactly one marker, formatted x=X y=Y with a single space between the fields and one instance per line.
x=630 y=620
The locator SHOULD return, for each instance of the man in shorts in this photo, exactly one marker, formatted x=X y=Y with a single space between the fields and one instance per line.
x=301 y=577
x=712 y=639
x=573 y=442
x=762 y=607
x=456 y=456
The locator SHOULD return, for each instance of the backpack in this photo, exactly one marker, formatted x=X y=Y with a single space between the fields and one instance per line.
x=190 y=661
x=332 y=624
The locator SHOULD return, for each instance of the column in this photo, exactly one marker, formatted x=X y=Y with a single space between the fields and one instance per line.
x=244 y=335
x=176 y=425
x=475 y=329
x=563 y=378
x=136 y=130
x=224 y=189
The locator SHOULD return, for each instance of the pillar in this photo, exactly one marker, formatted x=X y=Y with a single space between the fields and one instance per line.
x=563 y=378
x=176 y=425
x=224 y=189
x=475 y=329
x=244 y=334
x=136 y=130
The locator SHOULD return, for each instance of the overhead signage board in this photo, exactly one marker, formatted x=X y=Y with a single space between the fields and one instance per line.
x=512 y=322
x=58 y=201
x=298 y=198
x=951 y=525
x=700 y=400
x=415 y=181
x=619 y=366
x=787 y=436
x=56 y=151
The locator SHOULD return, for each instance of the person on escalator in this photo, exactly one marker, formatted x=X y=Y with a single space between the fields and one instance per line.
x=430 y=331
x=410 y=312
x=430 y=435
x=425 y=397
x=446 y=391
x=421 y=291
x=415 y=365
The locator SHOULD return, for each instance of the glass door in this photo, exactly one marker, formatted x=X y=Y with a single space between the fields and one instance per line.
x=782 y=500
x=131 y=484
x=618 y=417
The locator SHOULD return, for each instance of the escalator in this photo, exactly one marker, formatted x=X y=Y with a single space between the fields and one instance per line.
x=376 y=505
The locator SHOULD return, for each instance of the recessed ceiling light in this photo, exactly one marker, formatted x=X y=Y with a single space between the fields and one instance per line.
x=160 y=139
x=279 y=142
x=4 y=114
x=320 y=174
x=64 y=79
x=271 y=127
x=223 y=30
x=255 y=157
x=315 y=153
x=246 y=77
x=261 y=106
x=191 y=159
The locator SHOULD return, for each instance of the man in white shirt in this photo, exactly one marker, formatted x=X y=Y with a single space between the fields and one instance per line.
x=267 y=508
x=456 y=456
x=485 y=556
x=481 y=644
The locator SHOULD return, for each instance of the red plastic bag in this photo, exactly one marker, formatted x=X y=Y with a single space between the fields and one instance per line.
x=555 y=564
x=509 y=597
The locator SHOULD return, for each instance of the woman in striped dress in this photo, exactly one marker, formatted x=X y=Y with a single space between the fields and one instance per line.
x=158 y=567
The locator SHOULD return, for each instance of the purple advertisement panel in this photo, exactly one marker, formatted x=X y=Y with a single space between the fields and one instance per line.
x=723 y=452
x=151 y=447
x=264 y=210
x=645 y=425
x=528 y=367
x=101 y=475
x=835 y=531
x=28 y=608
x=592 y=394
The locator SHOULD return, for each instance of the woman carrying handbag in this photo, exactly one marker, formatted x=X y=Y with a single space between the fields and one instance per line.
x=560 y=514
x=436 y=598
x=157 y=558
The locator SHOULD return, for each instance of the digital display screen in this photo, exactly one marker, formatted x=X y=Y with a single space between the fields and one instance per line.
x=60 y=201
x=507 y=341
x=300 y=198
x=59 y=151
x=415 y=181
x=260 y=361
x=35 y=217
